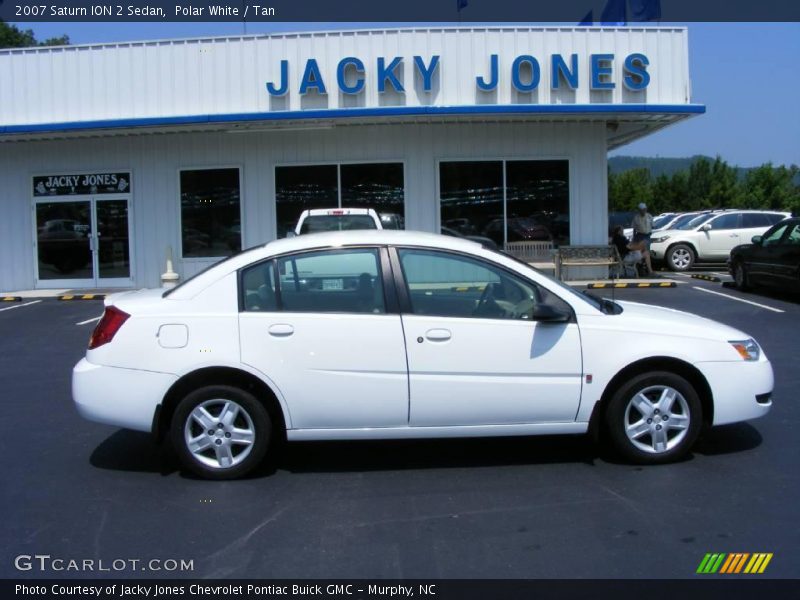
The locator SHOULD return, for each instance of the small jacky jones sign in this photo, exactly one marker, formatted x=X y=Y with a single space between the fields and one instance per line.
x=82 y=184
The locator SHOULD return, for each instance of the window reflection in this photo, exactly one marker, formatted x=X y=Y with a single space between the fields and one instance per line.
x=379 y=186
x=303 y=188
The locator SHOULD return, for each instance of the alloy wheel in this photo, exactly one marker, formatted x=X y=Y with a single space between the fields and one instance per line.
x=657 y=419
x=219 y=433
x=681 y=258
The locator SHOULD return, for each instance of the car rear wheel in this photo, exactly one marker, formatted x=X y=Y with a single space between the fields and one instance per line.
x=740 y=276
x=220 y=432
x=681 y=257
x=654 y=418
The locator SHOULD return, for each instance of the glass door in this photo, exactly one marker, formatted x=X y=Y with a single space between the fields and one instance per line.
x=112 y=245
x=83 y=243
x=64 y=243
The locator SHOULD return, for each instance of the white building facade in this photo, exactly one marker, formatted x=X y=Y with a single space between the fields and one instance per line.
x=113 y=155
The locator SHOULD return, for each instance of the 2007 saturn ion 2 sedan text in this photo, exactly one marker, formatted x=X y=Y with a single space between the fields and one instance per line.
x=390 y=334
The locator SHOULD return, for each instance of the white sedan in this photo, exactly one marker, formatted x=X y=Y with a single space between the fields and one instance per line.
x=389 y=334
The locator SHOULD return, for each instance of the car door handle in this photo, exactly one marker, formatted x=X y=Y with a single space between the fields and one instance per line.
x=734 y=235
x=438 y=335
x=281 y=330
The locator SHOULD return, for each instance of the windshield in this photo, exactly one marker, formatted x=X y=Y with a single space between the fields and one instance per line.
x=320 y=223
x=698 y=220
x=660 y=222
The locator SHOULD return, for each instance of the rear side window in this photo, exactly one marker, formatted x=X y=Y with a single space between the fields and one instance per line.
x=320 y=223
x=752 y=220
x=258 y=288
x=332 y=281
x=774 y=218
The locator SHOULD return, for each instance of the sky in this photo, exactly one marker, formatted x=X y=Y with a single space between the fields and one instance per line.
x=747 y=75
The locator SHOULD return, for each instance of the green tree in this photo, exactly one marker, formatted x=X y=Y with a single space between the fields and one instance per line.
x=12 y=36
x=629 y=188
x=772 y=188
x=724 y=189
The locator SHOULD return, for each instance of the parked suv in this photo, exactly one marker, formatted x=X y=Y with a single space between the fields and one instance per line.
x=710 y=237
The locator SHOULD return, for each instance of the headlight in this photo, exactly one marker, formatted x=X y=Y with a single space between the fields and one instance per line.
x=747 y=349
x=658 y=240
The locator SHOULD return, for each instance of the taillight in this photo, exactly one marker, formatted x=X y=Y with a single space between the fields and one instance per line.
x=107 y=328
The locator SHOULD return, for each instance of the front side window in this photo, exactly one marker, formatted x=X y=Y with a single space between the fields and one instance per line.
x=793 y=239
x=773 y=237
x=729 y=221
x=210 y=214
x=347 y=281
x=450 y=285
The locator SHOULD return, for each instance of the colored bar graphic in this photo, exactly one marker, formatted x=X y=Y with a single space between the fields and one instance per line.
x=733 y=563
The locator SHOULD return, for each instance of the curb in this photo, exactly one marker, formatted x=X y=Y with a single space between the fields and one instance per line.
x=82 y=297
x=10 y=298
x=661 y=284
x=706 y=278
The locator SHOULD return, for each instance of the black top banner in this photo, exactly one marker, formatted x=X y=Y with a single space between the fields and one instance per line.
x=585 y=12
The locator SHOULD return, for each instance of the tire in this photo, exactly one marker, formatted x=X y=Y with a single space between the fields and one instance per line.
x=669 y=434
x=226 y=446
x=681 y=257
x=740 y=276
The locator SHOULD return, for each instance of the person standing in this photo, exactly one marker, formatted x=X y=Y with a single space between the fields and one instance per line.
x=642 y=225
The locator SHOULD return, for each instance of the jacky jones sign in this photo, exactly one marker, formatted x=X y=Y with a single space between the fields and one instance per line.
x=525 y=70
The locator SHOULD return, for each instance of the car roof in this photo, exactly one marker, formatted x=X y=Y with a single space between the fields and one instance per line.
x=313 y=241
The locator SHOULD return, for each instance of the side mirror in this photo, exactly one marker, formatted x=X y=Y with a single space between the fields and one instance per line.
x=290 y=234
x=706 y=227
x=757 y=240
x=546 y=313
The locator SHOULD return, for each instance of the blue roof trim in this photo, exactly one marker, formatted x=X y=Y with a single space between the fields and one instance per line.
x=344 y=113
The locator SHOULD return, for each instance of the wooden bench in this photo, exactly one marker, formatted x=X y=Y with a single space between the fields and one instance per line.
x=586 y=256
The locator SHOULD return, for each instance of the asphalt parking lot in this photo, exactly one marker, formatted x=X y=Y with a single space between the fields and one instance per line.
x=487 y=508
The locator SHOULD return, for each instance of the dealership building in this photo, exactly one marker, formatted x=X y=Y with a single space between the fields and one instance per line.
x=114 y=155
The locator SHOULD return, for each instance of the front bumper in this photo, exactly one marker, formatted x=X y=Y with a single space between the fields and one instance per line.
x=123 y=397
x=741 y=390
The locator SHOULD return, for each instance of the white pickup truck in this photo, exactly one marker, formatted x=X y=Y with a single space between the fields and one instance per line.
x=337 y=219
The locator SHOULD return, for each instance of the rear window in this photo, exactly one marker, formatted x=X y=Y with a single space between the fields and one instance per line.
x=320 y=223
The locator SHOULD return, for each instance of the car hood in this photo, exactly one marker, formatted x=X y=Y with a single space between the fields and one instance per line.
x=667 y=321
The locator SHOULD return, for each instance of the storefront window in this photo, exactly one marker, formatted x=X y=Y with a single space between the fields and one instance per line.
x=303 y=188
x=537 y=201
x=533 y=206
x=210 y=216
x=472 y=198
x=367 y=185
x=378 y=186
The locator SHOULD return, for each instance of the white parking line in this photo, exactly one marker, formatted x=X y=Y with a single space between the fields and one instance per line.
x=90 y=320
x=20 y=305
x=764 y=306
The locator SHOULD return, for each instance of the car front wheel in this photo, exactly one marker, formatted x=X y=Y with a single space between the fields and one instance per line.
x=220 y=432
x=740 y=276
x=681 y=257
x=654 y=418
